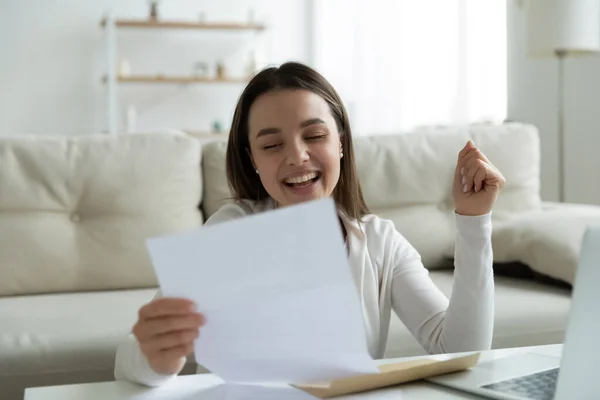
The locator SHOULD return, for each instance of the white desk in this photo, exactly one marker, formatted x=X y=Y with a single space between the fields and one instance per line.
x=190 y=387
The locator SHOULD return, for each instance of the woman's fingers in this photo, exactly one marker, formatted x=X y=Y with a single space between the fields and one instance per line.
x=479 y=179
x=169 y=340
x=166 y=330
x=468 y=146
x=474 y=170
x=471 y=150
x=178 y=351
x=169 y=361
x=166 y=306
x=157 y=326
x=470 y=169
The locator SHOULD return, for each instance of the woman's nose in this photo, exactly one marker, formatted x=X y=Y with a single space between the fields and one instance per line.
x=296 y=154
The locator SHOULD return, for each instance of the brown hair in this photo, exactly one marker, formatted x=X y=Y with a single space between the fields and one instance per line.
x=244 y=182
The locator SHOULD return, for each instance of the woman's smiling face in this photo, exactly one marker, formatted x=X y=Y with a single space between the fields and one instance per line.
x=295 y=145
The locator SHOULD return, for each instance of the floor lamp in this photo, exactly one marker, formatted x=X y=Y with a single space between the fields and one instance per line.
x=560 y=29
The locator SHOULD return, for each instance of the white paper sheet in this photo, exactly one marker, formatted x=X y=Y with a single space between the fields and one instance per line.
x=236 y=391
x=278 y=294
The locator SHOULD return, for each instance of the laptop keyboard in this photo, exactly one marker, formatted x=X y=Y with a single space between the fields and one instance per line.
x=538 y=386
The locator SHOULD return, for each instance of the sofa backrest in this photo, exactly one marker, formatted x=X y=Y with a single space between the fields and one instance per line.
x=408 y=178
x=75 y=212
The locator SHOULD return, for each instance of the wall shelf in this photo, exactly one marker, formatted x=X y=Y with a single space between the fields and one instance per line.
x=113 y=78
x=174 y=79
x=159 y=24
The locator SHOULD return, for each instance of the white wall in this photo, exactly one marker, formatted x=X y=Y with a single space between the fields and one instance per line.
x=53 y=57
x=533 y=97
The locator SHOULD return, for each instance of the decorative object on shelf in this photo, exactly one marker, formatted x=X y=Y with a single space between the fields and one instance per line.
x=153 y=10
x=557 y=28
x=251 y=17
x=200 y=70
x=124 y=68
x=221 y=72
x=217 y=127
x=202 y=17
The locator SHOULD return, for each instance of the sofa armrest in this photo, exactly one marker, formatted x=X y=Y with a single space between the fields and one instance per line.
x=571 y=207
x=548 y=240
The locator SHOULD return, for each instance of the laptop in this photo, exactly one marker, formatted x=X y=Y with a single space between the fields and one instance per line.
x=573 y=373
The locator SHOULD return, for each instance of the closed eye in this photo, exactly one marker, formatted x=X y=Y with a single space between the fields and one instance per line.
x=271 y=146
x=315 y=137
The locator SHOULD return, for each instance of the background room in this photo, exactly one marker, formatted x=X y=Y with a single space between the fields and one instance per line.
x=114 y=126
x=56 y=53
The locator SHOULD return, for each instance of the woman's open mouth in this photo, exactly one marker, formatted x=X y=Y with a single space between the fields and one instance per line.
x=303 y=180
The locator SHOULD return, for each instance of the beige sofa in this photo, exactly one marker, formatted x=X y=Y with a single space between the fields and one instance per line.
x=75 y=213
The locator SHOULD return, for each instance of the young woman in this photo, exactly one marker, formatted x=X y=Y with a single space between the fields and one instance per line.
x=291 y=142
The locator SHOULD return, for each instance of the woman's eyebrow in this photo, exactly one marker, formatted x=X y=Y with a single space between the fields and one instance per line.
x=304 y=124
x=267 y=131
x=311 y=121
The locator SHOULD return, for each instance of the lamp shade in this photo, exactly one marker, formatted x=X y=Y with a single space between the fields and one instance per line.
x=570 y=26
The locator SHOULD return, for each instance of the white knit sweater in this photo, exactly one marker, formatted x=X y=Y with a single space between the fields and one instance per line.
x=389 y=276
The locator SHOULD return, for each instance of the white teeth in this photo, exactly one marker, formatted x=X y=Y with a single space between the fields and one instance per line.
x=301 y=179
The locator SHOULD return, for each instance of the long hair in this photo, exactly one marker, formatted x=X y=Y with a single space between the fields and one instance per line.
x=243 y=180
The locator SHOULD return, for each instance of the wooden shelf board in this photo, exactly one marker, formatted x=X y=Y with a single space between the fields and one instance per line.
x=159 y=24
x=175 y=79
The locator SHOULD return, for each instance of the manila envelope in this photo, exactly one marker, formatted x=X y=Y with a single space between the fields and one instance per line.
x=390 y=375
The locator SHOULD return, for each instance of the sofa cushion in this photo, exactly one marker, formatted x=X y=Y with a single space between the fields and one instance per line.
x=59 y=339
x=527 y=313
x=66 y=332
x=548 y=241
x=75 y=211
x=435 y=236
x=42 y=334
x=408 y=178
x=216 y=189
x=418 y=167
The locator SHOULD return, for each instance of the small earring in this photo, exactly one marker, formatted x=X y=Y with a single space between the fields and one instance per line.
x=341 y=155
x=256 y=171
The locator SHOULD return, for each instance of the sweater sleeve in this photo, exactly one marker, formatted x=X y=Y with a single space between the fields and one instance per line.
x=131 y=365
x=465 y=322
x=130 y=362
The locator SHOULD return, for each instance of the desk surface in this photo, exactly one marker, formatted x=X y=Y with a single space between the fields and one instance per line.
x=204 y=387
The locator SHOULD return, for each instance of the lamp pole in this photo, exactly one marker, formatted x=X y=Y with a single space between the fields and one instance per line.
x=561 y=54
